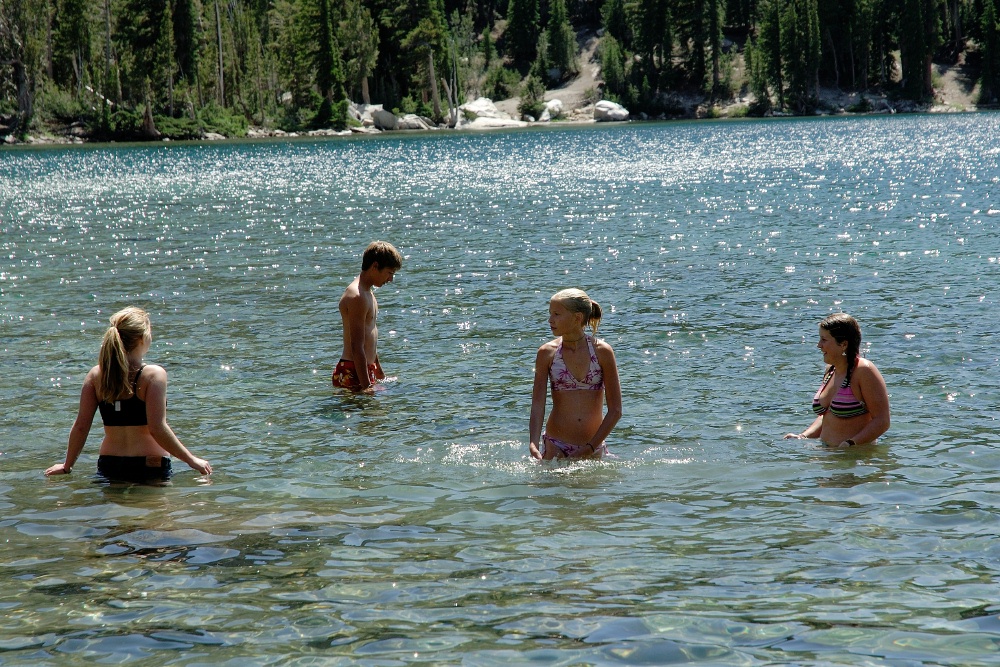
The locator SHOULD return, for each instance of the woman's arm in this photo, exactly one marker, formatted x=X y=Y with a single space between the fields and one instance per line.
x=871 y=386
x=156 y=418
x=812 y=431
x=81 y=426
x=612 y=393
x=539 y=391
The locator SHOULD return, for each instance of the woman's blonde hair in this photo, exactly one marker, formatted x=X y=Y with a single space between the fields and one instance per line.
x=577 y=301
x=129 y=327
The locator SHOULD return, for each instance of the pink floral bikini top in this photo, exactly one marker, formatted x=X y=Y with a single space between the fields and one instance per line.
x=562 y=379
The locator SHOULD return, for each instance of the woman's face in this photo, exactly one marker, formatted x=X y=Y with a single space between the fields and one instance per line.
x=147 y=340
x=562 y=321
x=829 y=346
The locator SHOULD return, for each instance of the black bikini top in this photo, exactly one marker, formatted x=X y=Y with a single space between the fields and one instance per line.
x=127 y=412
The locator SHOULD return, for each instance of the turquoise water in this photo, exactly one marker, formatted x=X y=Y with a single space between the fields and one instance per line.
x=411 y=527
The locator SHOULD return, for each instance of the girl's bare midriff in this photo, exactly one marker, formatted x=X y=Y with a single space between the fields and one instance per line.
x=576 y=415
x=836 y=429
x=130 y=441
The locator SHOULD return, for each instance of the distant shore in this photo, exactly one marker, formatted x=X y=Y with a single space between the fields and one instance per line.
x=950 y=99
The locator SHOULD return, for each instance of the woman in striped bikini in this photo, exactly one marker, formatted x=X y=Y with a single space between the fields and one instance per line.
x=852 y=404
x=582 y=373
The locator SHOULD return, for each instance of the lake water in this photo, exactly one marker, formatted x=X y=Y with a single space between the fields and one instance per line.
x=412 y=527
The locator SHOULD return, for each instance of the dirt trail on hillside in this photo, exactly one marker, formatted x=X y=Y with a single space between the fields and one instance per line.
x=957 y=86
x=573 y=92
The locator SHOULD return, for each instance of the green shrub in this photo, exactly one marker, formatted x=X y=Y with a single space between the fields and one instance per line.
x=214 y=118
x=411 y=105
x=54 y=104
x=294 y=119
x=177 y=128
x=532 y=97
x=862 y=106
x=124 y=122
x=500 y=83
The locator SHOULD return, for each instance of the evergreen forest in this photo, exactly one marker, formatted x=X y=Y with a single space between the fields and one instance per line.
x=178 y=68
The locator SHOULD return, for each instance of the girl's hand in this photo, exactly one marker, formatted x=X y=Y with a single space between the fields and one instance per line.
x=57 y=469
x=794 y=436
x=535 y=454
x=201 y=465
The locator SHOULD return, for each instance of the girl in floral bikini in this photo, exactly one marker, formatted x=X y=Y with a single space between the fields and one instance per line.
x=583 y=374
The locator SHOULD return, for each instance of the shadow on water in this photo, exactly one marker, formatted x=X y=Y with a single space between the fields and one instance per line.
x=876 y=462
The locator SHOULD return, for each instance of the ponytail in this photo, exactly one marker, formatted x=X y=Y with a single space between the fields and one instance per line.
x=595 y=316
x=129 y=327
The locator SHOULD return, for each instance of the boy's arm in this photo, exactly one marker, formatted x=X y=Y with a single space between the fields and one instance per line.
x=356 y=321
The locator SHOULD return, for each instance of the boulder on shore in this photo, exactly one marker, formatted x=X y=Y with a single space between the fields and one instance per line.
x=608 y=111
x=414 y=122
x=481 y=107
x=486 y=123
x=385 y=120
x=363 y=113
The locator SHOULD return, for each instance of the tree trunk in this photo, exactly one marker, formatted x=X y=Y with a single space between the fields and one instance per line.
x=929 y=75
x=435 y=95
x=25 y=99
x=956 y=21
x=107 y=57
x=49 y=67
x=218 y=35
x=833 y=53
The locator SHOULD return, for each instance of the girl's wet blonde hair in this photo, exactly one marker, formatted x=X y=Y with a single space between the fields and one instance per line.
x=577 y=301
x=129 y=327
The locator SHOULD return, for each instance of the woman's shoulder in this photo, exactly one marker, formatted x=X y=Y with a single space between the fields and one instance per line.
x=602 y=345
x=152 y=372
x=547 y=352
x=866 y=369
x=549 y=347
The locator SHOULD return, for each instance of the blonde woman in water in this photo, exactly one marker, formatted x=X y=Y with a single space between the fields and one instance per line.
x=132 y=399
x=583 y=374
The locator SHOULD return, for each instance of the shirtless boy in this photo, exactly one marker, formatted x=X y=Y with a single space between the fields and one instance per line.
x=359 y=310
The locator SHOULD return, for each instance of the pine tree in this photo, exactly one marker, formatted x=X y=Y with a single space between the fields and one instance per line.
x=186 y=39
x=72 y=44
x=919 y=37
x=561 y=39
x=522 y=32
x=768 y=51
x=612 y=66
x=714 y=43
x=989 y=91
x=616 y=23
x=359 y=35
x=329 y=73
x=655 y=41
x=22 y=46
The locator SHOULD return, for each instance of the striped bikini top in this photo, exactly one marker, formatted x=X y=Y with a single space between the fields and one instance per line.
x=561 y=379
x=844 y=403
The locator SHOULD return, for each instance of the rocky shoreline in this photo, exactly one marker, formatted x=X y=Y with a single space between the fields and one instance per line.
x=483 y=114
